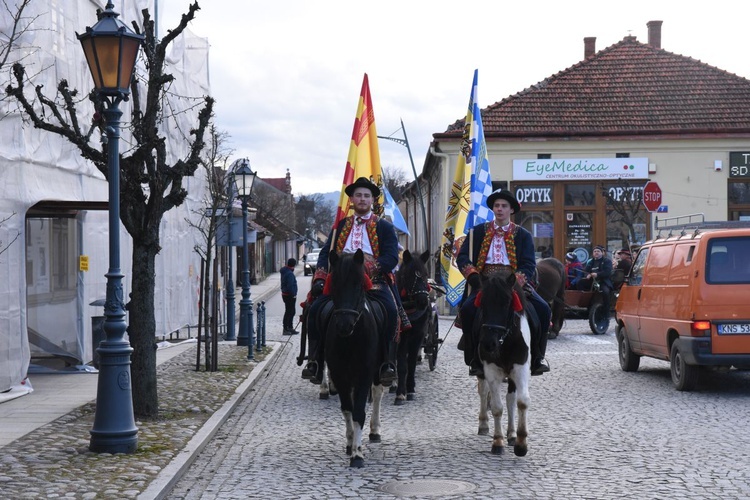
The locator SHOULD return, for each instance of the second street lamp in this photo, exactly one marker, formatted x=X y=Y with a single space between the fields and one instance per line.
x=111 y=50
x=244 y=179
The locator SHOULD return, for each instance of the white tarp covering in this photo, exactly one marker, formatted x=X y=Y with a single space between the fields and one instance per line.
x=44 y=296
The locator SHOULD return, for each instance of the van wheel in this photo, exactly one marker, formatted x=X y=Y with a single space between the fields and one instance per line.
x=684 y=376
x=598 y=318
x=629 y=361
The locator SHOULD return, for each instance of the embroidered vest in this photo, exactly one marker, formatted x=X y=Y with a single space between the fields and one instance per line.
x=510 y=244
x=370 y=228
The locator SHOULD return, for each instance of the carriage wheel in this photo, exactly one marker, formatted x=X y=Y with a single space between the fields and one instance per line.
x=684 y=376
x=598 y=318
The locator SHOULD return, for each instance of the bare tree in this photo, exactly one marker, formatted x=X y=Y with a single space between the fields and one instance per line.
x=314 y=214
x=275 y=209
x=395 y=180
x=149 y=186
x=626 y=201
x=214 y=165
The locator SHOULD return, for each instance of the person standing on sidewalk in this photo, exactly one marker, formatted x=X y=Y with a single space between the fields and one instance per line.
x=289 y=295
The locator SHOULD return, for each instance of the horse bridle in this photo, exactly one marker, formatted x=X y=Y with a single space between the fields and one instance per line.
x=502 y=332
x=361 y=305
x=413 y=292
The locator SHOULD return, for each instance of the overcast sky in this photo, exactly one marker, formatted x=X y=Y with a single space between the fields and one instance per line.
x=286 y=74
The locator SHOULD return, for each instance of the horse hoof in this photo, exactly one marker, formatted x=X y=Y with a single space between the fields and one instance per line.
x=323 y=395
x=498 y=450
x=333 y=392
x=357 y=462
x=392 y=389
x=400 y=400
x=520 y=450
x=348 y=451
x=483 y=432
x=374 y=438
x=551 y=336
x=511 y=441
x=411 y=396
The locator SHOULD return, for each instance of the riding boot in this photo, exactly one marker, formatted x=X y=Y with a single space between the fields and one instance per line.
x=388 y=369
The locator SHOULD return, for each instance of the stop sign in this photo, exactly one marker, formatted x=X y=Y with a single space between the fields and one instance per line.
x=651 y=196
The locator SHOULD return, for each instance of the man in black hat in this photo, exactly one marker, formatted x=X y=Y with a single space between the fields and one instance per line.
x=376 y=237
x=599 y=269
x=496 y=245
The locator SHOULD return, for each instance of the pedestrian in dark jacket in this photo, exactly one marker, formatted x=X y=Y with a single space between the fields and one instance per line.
x=289 y=295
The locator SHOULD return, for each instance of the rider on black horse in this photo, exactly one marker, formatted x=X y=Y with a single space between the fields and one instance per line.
x=495 y=245
x=376 y=237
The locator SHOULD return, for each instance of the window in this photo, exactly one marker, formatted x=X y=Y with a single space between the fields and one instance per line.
x=738 y=200
x=636 y=272
x=51 y=259
x=726 y=261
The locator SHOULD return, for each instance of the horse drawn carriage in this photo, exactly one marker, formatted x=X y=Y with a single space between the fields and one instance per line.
x=589 y=304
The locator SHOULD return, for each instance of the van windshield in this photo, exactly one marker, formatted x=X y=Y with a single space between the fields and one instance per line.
x=727 y=261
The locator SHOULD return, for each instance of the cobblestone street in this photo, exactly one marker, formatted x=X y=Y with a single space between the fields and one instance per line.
x=594 y=432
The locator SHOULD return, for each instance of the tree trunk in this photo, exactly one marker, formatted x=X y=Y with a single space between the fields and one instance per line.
x=142 y=332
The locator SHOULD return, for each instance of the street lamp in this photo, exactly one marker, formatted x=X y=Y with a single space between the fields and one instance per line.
x=111 y=50
x=244 y=179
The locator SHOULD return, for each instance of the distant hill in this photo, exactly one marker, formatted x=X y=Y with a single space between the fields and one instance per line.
x=333 y=197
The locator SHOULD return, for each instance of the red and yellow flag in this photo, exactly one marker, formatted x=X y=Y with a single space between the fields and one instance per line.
x=364 y=156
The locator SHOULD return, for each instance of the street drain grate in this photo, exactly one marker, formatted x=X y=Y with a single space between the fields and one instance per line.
x=427 y=487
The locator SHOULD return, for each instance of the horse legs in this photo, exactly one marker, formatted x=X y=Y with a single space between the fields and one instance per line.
x=484 y=396
x=414 y=343
x=520 y=377
x=377 y=398
x=357 y=416
x=326 y=385
x=401 y=370
x=494 y=379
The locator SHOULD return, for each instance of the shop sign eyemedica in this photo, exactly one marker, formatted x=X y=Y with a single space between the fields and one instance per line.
x=576 y=169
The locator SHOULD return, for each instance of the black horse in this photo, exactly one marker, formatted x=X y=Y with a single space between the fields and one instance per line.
x=551 y=287
x=504 y=340
x=353 y=349
x=411 y=280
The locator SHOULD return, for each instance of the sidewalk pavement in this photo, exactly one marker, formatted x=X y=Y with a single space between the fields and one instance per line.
x=57 y=394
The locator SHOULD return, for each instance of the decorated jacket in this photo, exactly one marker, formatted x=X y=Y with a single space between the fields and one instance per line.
x=383 y=241
x=473 y=260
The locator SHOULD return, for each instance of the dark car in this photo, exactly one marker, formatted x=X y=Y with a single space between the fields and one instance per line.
x=311 y=262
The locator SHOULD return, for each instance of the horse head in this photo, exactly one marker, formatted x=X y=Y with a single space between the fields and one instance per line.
x=347 y=289
x=500 y=300
x=411 y=279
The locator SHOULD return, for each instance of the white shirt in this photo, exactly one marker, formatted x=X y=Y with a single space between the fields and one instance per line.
x=358 y=238
x=497 y=253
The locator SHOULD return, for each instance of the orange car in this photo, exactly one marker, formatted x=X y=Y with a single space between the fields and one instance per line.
x=687 y=301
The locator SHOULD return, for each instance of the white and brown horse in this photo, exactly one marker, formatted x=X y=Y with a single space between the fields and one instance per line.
x=504 y=340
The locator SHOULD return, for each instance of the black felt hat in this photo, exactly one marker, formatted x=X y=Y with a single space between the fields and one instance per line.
x=504 y=194
x=362 y=182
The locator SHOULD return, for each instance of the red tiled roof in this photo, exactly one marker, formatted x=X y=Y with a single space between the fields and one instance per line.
x=278 y=183
x=629 y=88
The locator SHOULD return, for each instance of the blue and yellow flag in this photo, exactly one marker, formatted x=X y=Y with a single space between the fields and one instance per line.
x=467 y=205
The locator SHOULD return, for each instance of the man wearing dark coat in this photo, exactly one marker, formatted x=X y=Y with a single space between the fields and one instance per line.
x=599 y=269
x=376 y=237
x=496 y=245
x=289 y=295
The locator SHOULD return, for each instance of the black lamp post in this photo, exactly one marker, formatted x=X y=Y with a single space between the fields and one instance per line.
x=111 y=50
x=244 y=179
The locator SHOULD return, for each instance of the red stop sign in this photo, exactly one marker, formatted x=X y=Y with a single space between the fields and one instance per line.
x=651 y=196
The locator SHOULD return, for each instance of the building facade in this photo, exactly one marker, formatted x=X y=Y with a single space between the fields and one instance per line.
x=578 y=148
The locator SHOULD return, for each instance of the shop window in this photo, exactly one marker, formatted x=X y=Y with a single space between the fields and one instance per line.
x=626 y=231
x=541 y=226
x=580 y=195
x=738 y=196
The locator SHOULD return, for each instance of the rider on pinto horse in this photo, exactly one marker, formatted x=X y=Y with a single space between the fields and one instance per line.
x=496 y=245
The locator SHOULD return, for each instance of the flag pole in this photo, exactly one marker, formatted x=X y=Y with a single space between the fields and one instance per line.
x=405 y=142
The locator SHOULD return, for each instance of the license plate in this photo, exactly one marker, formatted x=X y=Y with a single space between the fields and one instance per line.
x=733 y=328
